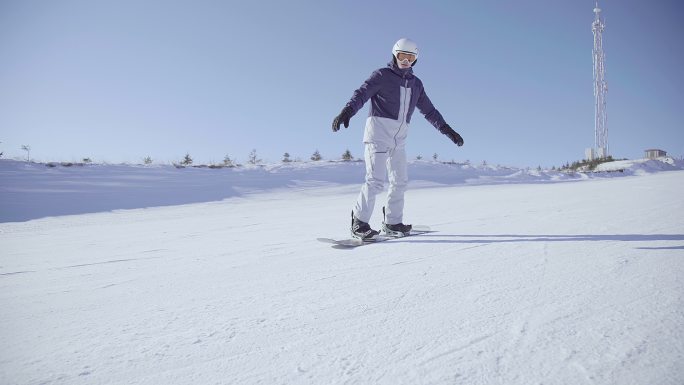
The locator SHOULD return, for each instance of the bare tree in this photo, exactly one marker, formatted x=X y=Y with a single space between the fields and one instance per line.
x=253 y=157
x=27 y=148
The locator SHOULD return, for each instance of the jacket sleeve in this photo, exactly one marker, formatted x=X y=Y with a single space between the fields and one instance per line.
x=429 y=111
x=369 y=88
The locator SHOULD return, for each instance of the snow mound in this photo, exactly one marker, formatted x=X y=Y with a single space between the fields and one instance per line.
x=37 y=190
x=642 y=166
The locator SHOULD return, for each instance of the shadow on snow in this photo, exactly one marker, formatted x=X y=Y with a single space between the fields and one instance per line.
x=516 y=238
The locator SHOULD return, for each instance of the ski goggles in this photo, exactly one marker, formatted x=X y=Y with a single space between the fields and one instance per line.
x=404 y=57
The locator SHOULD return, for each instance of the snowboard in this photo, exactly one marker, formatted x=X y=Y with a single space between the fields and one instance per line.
x=344 y=243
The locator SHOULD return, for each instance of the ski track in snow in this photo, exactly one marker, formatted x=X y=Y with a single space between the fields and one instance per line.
x=543 y=283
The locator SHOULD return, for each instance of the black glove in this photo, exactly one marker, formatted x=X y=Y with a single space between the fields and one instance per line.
x=451 y=134
x=342 y=118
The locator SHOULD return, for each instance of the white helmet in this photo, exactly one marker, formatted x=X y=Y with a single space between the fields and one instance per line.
x=406 y=46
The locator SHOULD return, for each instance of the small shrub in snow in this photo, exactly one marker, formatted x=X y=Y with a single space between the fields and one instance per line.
x=253 y=159
x=27 y=148
x=228 y=162
x=587 y=165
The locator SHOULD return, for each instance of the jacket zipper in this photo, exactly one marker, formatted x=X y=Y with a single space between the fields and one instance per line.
x=403 y=107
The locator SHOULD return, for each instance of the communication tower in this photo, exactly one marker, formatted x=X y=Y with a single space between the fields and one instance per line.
x=600 y=89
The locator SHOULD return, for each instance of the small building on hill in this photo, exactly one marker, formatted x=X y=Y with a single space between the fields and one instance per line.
x=655 y=153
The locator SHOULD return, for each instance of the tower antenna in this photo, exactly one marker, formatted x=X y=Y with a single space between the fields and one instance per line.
x=600 y=87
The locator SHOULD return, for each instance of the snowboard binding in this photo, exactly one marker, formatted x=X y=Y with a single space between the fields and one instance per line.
x=397 y=230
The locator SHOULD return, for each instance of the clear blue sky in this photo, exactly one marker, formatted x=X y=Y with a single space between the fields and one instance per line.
x=120 y=80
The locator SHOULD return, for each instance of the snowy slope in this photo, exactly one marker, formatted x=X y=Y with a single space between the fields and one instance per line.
x=522 y=283
x=31 y=190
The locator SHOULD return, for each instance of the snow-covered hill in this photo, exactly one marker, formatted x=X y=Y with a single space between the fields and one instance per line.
x=33 y=190
x=215 y=277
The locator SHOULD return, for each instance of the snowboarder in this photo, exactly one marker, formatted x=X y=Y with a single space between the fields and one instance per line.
x=394 y=92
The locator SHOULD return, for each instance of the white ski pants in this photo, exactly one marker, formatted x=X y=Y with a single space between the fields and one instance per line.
x=382 y=164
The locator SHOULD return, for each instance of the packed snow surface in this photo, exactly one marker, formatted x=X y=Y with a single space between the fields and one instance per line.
x=156 y=275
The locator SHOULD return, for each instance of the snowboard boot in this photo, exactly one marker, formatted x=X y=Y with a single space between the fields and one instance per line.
x=362 y=230
x=397 y=230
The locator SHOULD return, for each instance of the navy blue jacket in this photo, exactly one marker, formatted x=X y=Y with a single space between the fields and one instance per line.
x=394 y=95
